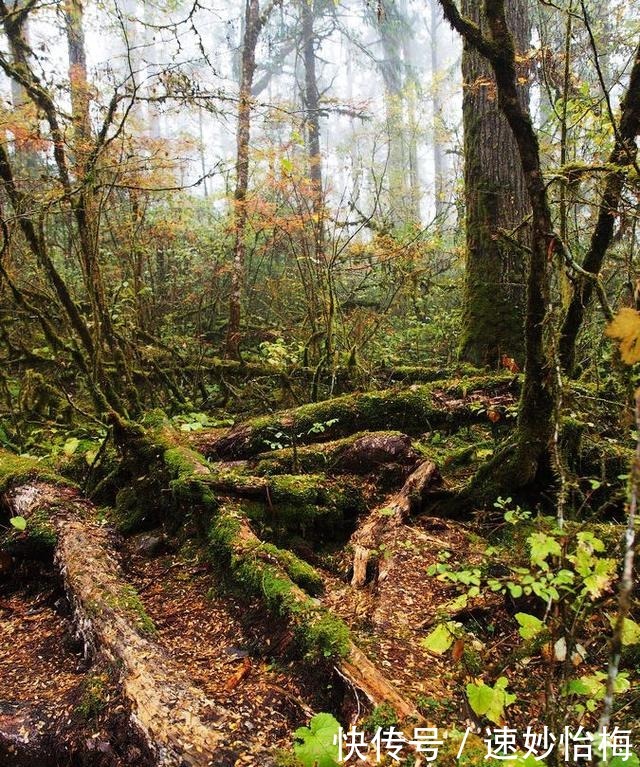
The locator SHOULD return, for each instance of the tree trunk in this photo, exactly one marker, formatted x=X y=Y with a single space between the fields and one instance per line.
x=496 y=200
x=439 y=158
x=511 y=469
x=252 y=26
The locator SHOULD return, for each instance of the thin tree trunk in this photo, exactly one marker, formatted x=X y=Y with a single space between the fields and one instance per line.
x=252 y=27
x=436 y=98
x=623 y=155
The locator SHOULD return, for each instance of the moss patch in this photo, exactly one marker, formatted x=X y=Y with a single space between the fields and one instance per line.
x=272 y=574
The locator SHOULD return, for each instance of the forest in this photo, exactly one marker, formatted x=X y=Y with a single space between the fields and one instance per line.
x=319 y=398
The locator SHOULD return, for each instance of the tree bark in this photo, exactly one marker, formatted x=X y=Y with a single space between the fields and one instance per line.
x=393 y=513
x=178 y=723
x=496 y=200
x=512 y=469
x=252 y=26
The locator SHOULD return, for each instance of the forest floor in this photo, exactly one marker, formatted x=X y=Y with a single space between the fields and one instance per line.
x=230 y=643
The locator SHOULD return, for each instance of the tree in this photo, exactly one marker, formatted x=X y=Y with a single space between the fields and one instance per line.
x=497 y=204
x=401 y=166
x=253 y=23
x=248 y=65
x=623 y=156
x=514 y=468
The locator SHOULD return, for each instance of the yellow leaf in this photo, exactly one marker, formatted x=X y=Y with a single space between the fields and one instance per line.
x=625 y=328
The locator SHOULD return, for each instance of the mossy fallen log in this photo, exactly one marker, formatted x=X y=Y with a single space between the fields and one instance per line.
x=361 y=453
x=276 y=575
x=234 y=544
x=176 y=721
x=446 y=405
x=310 y=505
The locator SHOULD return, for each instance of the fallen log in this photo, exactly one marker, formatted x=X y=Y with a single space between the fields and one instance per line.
x=233 y=540
x=361 y=453
x=393 y=513
x=444 y=405
x=261 y=568
x=177 y=722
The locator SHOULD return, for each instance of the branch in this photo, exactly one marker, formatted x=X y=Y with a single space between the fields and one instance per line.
x=470 y=31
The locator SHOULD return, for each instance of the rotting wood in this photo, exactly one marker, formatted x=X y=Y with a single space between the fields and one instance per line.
x=181 y=726
x=393 y=513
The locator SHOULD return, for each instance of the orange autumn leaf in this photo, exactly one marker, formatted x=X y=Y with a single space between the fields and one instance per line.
x=625 y=328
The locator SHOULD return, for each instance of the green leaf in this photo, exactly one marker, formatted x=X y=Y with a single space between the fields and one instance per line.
x=630 y=631
x=480 y=697
x=530 y=626
x=20 y=523
x=440 y=639
x=542 y=546
x=490 y=701
x=70 y=446
x=619 y=761
x=314 y=745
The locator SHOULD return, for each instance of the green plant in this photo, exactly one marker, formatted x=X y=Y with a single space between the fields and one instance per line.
x=316 y=745
x=490 y=701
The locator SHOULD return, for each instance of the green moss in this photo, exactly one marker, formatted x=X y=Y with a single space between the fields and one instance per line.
x=129 y=515
x=129 y=600
x=411 y=410
x=328 y=634
x=268 y=572
x=383 y=716
x=181 y=461
x=16 y=469
x=94 y=696
x=297 y=488
x=299 y=571
x=311 y=459
x=155 y=419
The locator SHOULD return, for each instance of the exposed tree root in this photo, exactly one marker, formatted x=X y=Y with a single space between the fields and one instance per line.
x=177 y=722
x=392 y=513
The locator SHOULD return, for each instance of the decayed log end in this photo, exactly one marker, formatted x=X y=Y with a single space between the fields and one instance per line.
x=179 y=725
x=394 y=512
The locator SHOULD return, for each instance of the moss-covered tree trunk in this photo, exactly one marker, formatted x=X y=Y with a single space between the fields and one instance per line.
x=516 y=468
x=496 y=199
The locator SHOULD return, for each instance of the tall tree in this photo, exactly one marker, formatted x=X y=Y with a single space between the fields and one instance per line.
x=496 y=204
x=518 y=465
x=395 y=33
x=436 y=99
x=253 y=23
